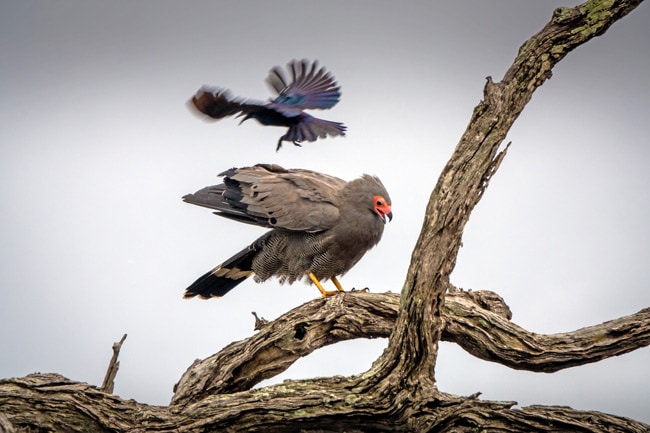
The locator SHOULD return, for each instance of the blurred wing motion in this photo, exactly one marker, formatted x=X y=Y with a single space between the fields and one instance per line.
x=321 y=225
x=309 y=88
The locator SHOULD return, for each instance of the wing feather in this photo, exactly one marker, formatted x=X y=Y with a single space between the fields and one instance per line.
x=271 y=196
x=310 y=88
x=311 y=128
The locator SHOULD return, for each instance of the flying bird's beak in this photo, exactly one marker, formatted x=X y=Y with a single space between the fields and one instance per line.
x=389 y=215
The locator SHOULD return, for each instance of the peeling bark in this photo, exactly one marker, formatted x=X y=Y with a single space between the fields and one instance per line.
x=483 y=329
x=215 y=392
x=398 y=393
x=51 y=403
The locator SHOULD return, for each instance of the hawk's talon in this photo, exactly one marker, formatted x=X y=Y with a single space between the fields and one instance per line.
x=365 y=289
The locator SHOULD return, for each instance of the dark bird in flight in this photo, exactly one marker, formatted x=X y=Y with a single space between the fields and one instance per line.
x=321 y=225
x=309 y=88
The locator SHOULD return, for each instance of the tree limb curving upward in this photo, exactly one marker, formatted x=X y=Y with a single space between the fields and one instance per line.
x=478 y=321
x=211 y=391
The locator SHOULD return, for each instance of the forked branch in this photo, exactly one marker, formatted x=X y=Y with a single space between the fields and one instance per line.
x=478 y=321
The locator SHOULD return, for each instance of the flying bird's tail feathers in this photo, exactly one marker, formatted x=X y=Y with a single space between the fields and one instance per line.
x=310 y=129
x=224 y=277
x=218 y=103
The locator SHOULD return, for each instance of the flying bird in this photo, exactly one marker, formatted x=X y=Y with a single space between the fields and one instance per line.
x=309 y=88
x=320 y=225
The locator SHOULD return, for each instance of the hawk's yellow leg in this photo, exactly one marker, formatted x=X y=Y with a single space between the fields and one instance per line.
x=324 y=292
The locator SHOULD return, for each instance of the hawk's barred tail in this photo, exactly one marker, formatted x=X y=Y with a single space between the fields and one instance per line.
x=224 y=277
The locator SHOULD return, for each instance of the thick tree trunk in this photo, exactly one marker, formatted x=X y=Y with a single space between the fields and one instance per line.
x=398 y=393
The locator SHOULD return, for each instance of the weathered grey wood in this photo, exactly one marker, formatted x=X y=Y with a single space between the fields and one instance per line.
x=113 y=367
x=5 y=425
x=56 y=404
x=482 y=332
x=485 y=334
x=413 y=345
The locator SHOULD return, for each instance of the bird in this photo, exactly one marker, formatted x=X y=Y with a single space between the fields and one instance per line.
x=310 y=88
x=321 y=226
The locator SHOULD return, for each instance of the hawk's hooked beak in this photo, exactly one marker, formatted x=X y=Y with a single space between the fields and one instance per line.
x=382 y=208
x=384 y=215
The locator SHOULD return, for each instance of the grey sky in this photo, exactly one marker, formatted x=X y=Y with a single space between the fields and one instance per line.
x=97 y=146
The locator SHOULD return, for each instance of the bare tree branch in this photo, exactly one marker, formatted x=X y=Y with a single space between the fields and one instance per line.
x=490 y=337
x=317 y=323
x=313 y=405
x=485 y=334
x=113 y=366
x=412 y=348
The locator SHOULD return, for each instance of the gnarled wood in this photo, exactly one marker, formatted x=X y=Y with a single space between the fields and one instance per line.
x=412 y=348
x=486 y=334
x=313 y=405
x=113 y=367
x=490 y=337
x=320 y=322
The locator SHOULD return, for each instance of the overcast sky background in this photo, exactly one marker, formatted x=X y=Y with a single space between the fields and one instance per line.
x=97 y=146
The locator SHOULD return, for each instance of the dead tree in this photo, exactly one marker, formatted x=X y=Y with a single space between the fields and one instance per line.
x=398 y=393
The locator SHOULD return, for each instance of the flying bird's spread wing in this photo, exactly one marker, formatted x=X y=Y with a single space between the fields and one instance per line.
x=271 y=196
x=309 y=87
